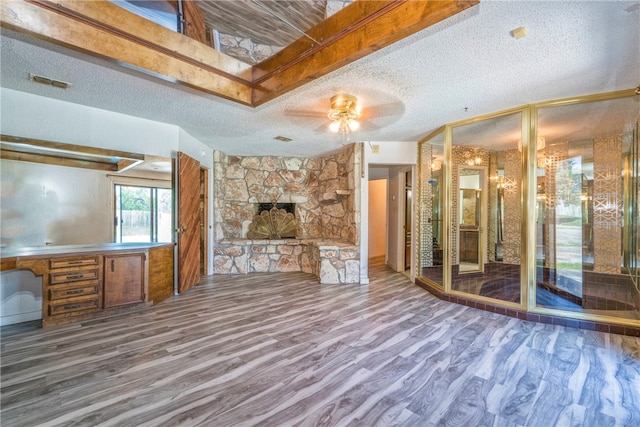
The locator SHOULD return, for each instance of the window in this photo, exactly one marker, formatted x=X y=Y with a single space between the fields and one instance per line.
x=142 y=214
x=163 y=12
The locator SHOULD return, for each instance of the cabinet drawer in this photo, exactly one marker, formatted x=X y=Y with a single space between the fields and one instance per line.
x=72 y=276
x=70 y=307
x=73 y=262
x=67 y=292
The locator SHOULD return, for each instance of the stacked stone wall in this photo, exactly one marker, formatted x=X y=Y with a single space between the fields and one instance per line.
x=321 y=188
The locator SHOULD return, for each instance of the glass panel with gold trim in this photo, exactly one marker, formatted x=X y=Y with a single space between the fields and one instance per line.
x=486 y=161
x=587 y=207
x=431 y=243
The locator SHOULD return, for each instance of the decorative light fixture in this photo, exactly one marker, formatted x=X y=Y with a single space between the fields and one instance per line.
x=344 y=114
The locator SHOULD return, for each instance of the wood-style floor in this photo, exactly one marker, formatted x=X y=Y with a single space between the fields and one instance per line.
x=282 y=350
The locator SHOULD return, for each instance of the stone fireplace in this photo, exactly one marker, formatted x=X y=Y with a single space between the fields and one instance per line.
x=317 y=202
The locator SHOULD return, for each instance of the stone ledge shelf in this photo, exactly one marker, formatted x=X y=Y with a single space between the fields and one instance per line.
x=332 y=262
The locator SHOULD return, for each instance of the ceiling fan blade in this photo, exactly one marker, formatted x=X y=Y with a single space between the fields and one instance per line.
x=323 y=128
x=305 y=113
x=383 y=110
x=367 y=126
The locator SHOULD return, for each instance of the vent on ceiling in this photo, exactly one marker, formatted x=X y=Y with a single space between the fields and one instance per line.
x=283 y=138
x=48 y=81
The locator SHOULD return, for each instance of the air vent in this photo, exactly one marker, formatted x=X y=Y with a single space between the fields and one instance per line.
x=283 y=138
x=49 y=82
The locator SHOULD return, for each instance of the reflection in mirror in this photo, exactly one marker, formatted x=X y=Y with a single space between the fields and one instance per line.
x=470 y=247
x=62 y=194
x=469 y=208
x=487 y=164
x=430 y=220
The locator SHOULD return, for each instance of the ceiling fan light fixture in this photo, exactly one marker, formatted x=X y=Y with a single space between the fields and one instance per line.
x=344 y=114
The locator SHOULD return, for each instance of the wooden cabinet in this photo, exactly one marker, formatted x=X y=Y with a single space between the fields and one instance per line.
x=123 y=279
x=73 y=287
x=81 y=282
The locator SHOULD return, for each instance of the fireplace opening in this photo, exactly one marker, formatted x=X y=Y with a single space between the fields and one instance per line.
x=274 y=222
x=289 y=207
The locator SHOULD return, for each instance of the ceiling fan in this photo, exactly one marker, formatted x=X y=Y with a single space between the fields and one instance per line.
x=346 y=115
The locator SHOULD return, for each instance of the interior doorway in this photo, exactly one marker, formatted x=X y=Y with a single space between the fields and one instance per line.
x=391 y=194
x=378 y=220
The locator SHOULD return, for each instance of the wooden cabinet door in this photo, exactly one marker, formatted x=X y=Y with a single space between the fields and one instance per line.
x=123 y=279
x=188 y=174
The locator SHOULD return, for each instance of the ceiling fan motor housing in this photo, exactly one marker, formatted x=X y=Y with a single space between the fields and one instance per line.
x=344 y=105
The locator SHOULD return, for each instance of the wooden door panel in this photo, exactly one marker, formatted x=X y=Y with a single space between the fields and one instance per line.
x=123 y=279
x=188 y=222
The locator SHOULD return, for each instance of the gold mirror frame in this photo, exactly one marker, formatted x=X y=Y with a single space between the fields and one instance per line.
x=529 y=115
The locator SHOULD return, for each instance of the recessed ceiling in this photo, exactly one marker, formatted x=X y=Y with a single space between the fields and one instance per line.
x=460 y=68
x=251 y=19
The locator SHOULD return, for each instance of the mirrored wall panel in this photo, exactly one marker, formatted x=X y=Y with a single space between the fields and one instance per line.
x=486 y=162
x=430 y=217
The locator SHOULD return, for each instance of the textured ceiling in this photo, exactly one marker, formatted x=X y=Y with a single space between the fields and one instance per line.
x=466 y=66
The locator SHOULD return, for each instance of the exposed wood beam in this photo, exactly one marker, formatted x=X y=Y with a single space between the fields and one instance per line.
x=104 y=29
x=62 y=154
x=56 y=160
x=73 y=148
x=352 y=33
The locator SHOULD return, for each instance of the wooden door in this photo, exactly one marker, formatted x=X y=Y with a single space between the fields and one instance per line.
x=194 y=25
x=188 y=240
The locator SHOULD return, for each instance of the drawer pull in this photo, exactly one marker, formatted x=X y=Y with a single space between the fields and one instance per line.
x=75 y=292
x=75 y=276
x=72 y=307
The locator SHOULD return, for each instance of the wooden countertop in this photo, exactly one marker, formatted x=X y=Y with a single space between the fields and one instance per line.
x=9 y=256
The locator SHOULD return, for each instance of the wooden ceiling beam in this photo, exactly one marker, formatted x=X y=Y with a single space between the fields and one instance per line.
x=352 y=33
x=104 y=29
x=72 y=148
x=56 y=160
x=63 y=154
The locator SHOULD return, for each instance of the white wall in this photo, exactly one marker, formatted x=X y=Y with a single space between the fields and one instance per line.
x=33 y=116
x=391 y=153
x=377 y=217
